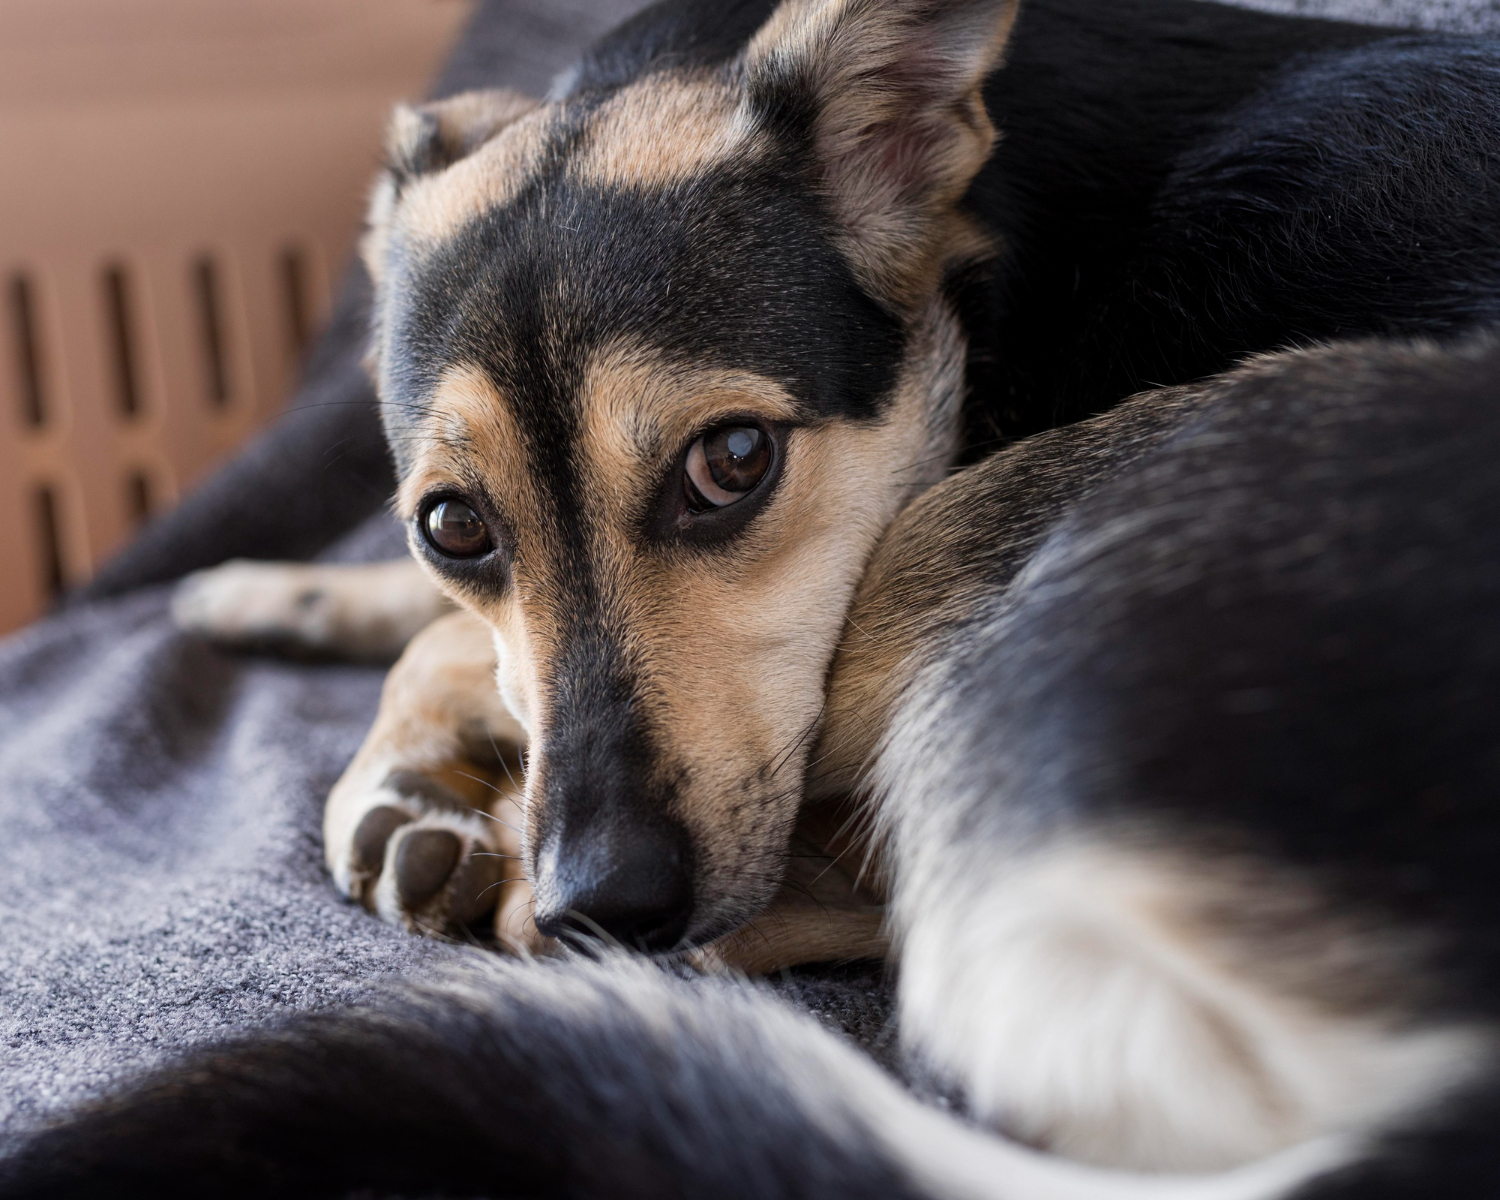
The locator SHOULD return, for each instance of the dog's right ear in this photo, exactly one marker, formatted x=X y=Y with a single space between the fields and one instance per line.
x=423 y=138
x=889 y=96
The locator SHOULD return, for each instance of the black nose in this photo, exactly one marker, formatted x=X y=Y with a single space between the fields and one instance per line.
x=630 y=883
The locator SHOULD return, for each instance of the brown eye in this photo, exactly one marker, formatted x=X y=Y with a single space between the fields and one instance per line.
x=456 y=530
x=725 y=464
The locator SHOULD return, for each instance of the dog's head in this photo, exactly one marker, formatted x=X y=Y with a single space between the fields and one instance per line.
x=659 y=362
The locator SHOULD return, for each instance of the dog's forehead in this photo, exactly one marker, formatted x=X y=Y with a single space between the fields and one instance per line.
x=734 y=265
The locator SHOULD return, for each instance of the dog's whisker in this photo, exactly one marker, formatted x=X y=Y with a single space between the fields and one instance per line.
x=801 y=738
x=492 y=817
x=480 y=781
x=504 y=766
x=498 y=883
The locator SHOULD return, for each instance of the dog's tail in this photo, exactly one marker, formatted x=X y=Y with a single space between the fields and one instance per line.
x=602 y=1079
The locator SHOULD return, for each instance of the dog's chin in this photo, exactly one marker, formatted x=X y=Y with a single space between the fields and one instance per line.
x=725 y=915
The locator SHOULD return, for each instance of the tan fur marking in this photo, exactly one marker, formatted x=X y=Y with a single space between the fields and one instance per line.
x=433 y=208
x=470 y=440
x=728 y=649
x=789 y=934
x=470 y=430
x=359 y=610
x=830 y=907
x=438 y=702
x=667 y=129
x=929 y=569
x=760 y=613
x=1133 y=1003
x=639 y=407
x=465 y=122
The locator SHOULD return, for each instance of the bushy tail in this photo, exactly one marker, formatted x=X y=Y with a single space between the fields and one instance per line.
x=606 y=1078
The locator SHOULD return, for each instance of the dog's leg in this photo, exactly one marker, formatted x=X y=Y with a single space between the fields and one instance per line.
x=364 y=611
x=1099 y=946
x=830 y=907
x=424 y=826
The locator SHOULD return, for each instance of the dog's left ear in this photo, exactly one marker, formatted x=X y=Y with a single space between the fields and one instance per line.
x=428 y=137
x=423 y=138
x=890 y=93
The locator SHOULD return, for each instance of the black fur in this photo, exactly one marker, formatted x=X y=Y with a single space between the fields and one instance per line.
x=1289 y=637
x=1268 y=630
x=1183 y=184
x=1178 y=184
x=738 y=270
x=1292 y=648
x=1357 y=194
x=509 y=1080
x=666 y=36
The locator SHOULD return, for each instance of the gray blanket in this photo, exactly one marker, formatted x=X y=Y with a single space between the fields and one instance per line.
x=161 y=878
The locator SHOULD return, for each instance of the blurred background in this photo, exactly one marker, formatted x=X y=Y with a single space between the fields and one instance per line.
x=182 y=185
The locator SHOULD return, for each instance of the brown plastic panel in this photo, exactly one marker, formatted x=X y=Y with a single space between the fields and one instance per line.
x=141 y=141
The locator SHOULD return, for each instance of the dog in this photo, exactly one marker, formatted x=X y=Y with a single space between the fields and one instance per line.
x=1167 y=724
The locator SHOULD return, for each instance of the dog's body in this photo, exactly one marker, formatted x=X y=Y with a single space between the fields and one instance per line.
x=1172 y=729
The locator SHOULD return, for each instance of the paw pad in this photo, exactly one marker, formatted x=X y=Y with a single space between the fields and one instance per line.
x=425 y=860
x=372 y=835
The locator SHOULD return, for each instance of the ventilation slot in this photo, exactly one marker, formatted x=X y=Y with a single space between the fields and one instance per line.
x=206 y=289
x=49 y=541
x=294 y=301
x=28 y=352
x=120 y=318
x=138 y=499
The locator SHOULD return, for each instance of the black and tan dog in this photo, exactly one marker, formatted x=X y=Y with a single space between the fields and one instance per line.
x=1174 y=728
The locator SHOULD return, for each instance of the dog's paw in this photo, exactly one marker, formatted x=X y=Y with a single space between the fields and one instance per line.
x=349 y=611
x=425 y=858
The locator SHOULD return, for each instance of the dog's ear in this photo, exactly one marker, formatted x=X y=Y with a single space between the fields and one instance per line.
x=423 y=138
x=428 y=137
x=889 y=92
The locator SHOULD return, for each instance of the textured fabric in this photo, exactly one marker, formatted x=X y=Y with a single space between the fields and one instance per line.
x=161 y=876
x=1448 y=16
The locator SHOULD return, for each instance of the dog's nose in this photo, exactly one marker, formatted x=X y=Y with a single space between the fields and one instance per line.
x=630 y=883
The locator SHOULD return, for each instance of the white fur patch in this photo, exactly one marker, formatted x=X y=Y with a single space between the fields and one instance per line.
x=354 y=610
x=1114 y=998
x=1078 y=1017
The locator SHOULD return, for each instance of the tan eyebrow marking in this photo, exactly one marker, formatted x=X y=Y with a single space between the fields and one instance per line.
x=665 y=130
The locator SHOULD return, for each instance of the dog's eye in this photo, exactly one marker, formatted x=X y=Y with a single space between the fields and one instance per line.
x=454 y=529
x=725 y=464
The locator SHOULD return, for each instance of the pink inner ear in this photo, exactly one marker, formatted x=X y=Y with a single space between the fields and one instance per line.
x=899 y=130
x=930 y=81
x=903 y=149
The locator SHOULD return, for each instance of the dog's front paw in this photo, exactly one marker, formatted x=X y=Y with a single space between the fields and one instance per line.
x=355 y=611
x=426 y=858
x=423 y=858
